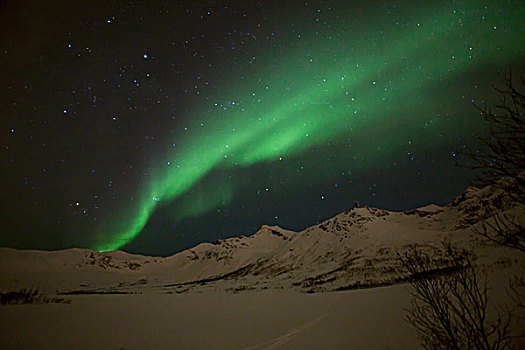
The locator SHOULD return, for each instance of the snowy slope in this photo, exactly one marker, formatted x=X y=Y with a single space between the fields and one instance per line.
x=356 y=248
x=52 y=271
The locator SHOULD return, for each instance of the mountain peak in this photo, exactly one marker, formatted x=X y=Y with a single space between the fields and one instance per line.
x=268 y=227
x=274 y=230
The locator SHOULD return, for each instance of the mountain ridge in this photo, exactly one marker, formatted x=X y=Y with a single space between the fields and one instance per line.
x=355 y=248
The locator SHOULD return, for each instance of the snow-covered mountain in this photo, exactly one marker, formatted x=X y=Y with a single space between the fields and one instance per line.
x=354 y=249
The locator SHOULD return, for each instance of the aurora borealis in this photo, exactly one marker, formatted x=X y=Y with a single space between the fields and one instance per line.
x=165 y=124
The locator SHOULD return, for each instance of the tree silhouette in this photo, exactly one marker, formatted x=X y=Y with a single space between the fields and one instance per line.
x=450 y=302
x=501 y=159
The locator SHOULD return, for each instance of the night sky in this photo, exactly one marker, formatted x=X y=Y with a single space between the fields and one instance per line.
x=151 y=126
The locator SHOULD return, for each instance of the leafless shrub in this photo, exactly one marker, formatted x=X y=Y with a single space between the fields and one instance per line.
x=501 y=160
x=450 y=302
x=502 y=154
x=504 y=229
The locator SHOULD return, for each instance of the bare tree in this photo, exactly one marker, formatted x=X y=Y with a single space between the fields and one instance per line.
x=502 y=154
x=501 y=159
x=506 y=229
x=450 y=302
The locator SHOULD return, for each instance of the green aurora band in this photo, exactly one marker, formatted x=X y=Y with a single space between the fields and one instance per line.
x=320 y=90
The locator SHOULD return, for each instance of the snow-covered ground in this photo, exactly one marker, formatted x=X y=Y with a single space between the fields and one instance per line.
x=363 y=319
x=273 y=289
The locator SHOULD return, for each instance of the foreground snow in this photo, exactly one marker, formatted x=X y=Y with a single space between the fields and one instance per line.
x=363 y=319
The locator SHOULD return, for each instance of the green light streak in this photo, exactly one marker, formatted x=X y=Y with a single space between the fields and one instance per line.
x=307 y=103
